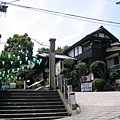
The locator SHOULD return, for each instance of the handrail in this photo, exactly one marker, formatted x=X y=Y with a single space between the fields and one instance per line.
x=36 y=83
x=65 y=103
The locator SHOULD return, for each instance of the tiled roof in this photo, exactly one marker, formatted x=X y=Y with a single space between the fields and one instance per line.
x=115 y=44
x=59 y=56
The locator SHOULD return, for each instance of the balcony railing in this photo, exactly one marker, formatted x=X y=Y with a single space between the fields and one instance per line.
x=84 y=55
x=116 y=67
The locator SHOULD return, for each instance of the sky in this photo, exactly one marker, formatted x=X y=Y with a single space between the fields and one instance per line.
x=42 y=26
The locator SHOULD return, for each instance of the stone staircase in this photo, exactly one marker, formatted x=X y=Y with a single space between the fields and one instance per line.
x=32 y=105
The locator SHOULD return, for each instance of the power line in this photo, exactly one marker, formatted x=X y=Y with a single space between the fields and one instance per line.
x=14 y=1
x=66 y=14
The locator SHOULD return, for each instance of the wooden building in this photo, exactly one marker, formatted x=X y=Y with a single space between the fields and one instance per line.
x=98 y=45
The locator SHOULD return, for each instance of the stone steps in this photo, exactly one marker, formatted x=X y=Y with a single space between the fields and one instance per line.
x=33 y=105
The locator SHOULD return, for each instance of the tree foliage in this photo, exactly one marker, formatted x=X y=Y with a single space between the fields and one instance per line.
x=59 y=49
x=19 y=45
x=73 y=71
x=16 y=46
x=100 y=68
x=98 y=84
x=81 y=68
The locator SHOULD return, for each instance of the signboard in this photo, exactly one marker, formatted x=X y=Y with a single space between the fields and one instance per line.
x=86 y=87
x=12 y=85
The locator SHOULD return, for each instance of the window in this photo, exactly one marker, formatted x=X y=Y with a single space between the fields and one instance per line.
x=97 y=45
x=113 y=61
x=86 y=47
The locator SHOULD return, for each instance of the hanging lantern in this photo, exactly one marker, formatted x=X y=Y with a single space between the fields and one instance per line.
x=9 y=55
x=37 y=61
x=12 y=70
x=20 y=62
x=26 y=58
x=22 y=67
x=28 y=61
x=0 y=53
x=3 y=72
x=11 y=62
x=18 y=57
x=0 y=72
x=3 y=62
x=18 y=69
x=34 y=59
x=40 y=60
x=8 y=71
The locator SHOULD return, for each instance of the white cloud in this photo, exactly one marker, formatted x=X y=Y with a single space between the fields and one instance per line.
x=70 y=39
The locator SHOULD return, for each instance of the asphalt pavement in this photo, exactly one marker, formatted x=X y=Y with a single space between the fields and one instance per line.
x=97 y=106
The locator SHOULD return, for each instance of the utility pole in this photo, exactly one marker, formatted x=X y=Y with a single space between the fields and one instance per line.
x=52 y=64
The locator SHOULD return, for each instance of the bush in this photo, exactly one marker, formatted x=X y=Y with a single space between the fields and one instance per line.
x=19 y=84
x=98 y=84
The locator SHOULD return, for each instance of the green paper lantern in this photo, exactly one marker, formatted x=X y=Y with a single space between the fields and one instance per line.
x=28 y=61
x=3 y=72
x=20 y=62
x=3 y=62
x=12 y=70
x=18 y=57
x=26 y=58
x=37 y=61
x=34 y=59
x=8 y=71
x=18 y=69
x=22 y=67
x=0 y=72
x=9 y=55
x=11 y=62
x=0 y=53
x=40 y=60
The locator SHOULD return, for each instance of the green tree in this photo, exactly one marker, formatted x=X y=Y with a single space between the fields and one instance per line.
x=73 y=71
x=81 y=68
x=59 y=49
x=98 y=84
x=100 y=68
x=43 y=49
x=16 y=46
x=19 y=45
x=68 y=67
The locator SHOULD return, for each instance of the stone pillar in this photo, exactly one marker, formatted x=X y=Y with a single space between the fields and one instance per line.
x=52 y=64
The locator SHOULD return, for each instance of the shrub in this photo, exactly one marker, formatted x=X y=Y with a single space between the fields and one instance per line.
x=98 y=84
x=19 y=84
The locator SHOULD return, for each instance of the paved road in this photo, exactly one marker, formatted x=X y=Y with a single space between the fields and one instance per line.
x=97 y=106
